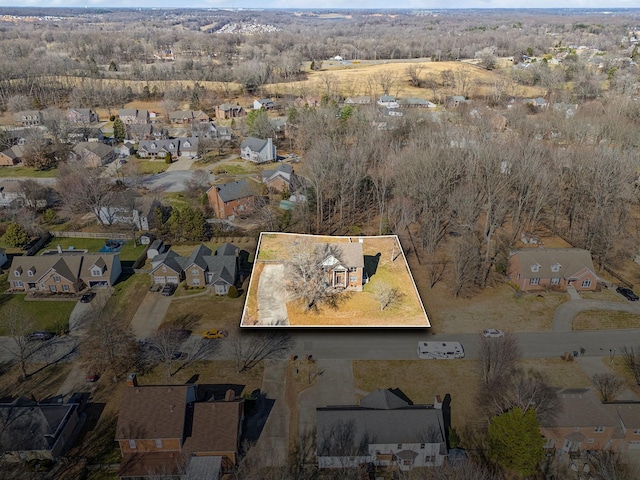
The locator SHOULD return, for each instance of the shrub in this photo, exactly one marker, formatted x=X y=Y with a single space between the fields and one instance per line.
x=233 y=292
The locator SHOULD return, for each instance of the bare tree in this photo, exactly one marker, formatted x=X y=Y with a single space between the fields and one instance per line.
x=249 y=349
x=385 y=80
x=385 y=294
x=609 y=465
x=18 y=325
x=467 y=265
x=165 y=344
x=413 y=71
x=497 y=359
x=608 y=385
x=631 y=360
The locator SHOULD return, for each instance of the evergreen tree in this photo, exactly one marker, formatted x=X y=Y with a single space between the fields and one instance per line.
x=16 y=236
x=119 y=130
x=515 y=442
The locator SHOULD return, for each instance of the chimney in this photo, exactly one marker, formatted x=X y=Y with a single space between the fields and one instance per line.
x=60 y=249
x=437 y=404
x=132 y=380
x=229 y=396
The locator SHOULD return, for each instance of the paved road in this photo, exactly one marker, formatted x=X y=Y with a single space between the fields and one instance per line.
x=168 y=181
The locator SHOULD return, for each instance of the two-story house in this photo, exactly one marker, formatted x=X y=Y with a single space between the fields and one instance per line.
x=232 y=199
x=227 y=110
x=28 y=118
x=133 y=116
x=188 y=116
x=82 y=115
x=93 y=154
x=168 y=429
x=176 y=147
x=258 y=150
x=385 y=429
x=280 y=179
x=534 y=269
x=344 y=264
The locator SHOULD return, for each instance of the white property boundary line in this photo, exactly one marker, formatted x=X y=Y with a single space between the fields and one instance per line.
x=350 y=238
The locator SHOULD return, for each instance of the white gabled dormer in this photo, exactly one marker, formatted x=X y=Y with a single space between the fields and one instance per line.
x=18 y=271
x=153 y=146
x=556 y=267
x=535 y=268
x=31 y=272
x=98 y=268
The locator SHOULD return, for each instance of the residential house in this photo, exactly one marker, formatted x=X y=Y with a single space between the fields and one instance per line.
x=257 y=150
x=84 y=133
x=168 y=430
x=188 y=116
x=82 y=115
x=227 y=110
x=456 y=101
x=138 y=212
x=308 y=101
x=386 y=430
x=265 y=103
x=11 y=156
x=64 y=273
x=583 y=422
x=537 y=104
x=344 y=264
x=175 y=146
x=279 y=179
x=535 y=269
x=133 y=116
x=93 y=154
x=414 y=102
x=388 y=101
x=36 y=431
x=362 y=100
x=232 y=199
x=145 y=131
x=12 y=194
x=220 y=270
x=167 y=268
x=28 y=118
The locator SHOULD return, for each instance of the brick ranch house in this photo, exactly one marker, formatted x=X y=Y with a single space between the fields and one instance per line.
x=536 y=269
x=344 y=265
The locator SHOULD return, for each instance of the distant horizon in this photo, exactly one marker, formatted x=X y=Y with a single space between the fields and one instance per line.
x=592 y=5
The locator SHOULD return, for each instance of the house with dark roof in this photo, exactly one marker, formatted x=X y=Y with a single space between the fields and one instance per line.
x=82 y=115
x=93 y=154
x=133 y=116
x=257 y=150
x=175 y=147
x=11 y=156
x=199 y=269
x=279 y=179
x=227 y=110
x=170 y=430
x=31 y=430
x=138 y=212
x=229 y=200
x=188 y=116
x=63 y=273
x=385 y=429
x=535 y=269
x=344 y=265
x=415 y=102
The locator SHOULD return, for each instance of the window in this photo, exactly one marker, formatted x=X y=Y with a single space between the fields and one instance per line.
x=132 y=444
x=422 y=446
x=17 y=283
x=195 y=272
x=196 y=282
x=586 y=283
x=534 y=281
x=30 y=273
x=399 y=446
x=164 y=269
x=430 y=458
x=353 y=279
x=53 y=288
x=56 y=278
x=65 y=288
x=598 y=429
x=17 y=272
x=636 y=432
x=555 y=281
x=96 y=272
x=535 y=268
x=555 y=267
x=518 y=276
x=590 y=440
x=158 y=442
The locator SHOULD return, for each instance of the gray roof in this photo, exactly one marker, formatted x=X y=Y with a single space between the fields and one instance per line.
x=348 y=253
x=28 y=427
x=255 y=144
x=383 y=399
x=222 y=267
x=100 y=149
x=125 y=112
x=581 y=407
x=15 y=152
x=283 y=169
x=413 y=101
x=228 y=249
x=171 y=259
x=233 y=190
x=197 y=257
x=571 y=261
x=401 y=424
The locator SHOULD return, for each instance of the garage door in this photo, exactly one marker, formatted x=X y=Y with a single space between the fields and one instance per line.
x=158 y=279
x=172 y=280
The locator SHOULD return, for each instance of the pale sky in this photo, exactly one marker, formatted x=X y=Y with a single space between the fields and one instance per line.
x=333 y=4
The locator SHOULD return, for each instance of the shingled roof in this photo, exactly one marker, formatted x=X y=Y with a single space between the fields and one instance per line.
x=233 y=190
x=571 y=261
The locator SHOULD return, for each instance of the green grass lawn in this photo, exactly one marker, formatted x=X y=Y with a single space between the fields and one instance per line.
x=52 y=316
x=148 y=167
x=129 y=253
x=236 y=169
x=19 y=171
x=177 y=200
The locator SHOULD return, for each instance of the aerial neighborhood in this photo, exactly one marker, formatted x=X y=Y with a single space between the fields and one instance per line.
x=313 y=245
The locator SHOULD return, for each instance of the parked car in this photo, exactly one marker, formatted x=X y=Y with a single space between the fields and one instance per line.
x=40 y=336
x=168 y=289
x=493 y=332
x=87 y=297
x=627 y=293
x=213 y=334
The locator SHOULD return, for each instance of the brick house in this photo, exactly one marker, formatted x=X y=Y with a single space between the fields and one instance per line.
x=163 y=429
x=227 y=110
x=82 y=115
x=188 y=116
x=279 y=179
x=175 y=146
x=167 y=268
x=64 y=273
x=232 y=199
x=11 y=156
x=535 y=269
x=93 y=154
x=133 y=116
x=344 y=264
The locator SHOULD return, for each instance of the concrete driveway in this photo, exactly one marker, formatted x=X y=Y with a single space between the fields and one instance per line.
x=149 y=315
x=182 y=163
x=167 y=181
x=272 y=307
x=83 y=314
x=565 y=313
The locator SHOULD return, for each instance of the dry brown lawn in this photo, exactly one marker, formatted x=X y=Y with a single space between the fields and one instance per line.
x=605 y=319
x=354 y=308
x=43 y=381
x=205 y=312
x=558 y=372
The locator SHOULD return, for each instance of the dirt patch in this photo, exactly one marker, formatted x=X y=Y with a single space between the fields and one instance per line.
x=605 y=319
